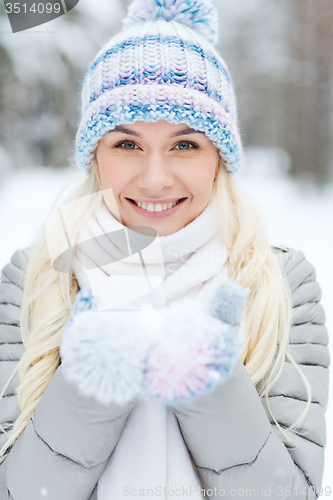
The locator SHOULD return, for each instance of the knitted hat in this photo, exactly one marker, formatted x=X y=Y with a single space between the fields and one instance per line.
x=162 y=66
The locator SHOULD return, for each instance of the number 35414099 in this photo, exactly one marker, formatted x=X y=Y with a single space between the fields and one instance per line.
x=311 y=492
x=35 y=8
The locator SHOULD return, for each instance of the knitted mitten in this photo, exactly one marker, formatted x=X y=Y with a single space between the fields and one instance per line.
x=172 y=354
x=197 y=346
x=103 y=353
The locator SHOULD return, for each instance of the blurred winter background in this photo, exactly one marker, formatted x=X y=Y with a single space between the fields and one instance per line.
x=280 y=55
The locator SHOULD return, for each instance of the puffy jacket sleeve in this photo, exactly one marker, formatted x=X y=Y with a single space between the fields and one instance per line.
x=233 y=439
x=65 y=447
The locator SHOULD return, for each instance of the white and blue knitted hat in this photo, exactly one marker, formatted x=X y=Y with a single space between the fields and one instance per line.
x=162 y=66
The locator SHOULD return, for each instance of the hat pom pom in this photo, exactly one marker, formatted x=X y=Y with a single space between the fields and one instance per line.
x=199 y=15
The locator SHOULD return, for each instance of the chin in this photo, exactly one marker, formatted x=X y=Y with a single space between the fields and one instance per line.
x=171 y=230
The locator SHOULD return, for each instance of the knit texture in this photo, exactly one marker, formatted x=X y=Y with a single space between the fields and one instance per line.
x=170 y=355
x=229 y=302
x=162 y=66
x=180 y=340
x=176 y=351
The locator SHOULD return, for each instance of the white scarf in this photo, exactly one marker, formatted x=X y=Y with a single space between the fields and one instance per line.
x=151 y=453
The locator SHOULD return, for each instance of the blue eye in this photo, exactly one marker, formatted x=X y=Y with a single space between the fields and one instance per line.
x=119 y=144
x=187 y=143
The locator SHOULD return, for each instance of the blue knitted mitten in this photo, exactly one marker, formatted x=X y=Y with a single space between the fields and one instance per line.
x=172 y=354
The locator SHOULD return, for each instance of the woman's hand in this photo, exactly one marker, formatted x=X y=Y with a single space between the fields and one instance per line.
x=172 y=354
x=197 y=346
x=104 y=352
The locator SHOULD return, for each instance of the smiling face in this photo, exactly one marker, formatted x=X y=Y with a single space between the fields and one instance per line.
x=157 y=163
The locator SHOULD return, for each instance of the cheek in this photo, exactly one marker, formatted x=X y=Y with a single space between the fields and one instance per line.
x=201 y=176
x=112 y=172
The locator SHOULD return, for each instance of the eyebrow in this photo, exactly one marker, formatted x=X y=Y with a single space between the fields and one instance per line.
x=185 y=131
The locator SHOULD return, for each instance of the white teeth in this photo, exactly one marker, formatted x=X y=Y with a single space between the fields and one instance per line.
x=156 y=208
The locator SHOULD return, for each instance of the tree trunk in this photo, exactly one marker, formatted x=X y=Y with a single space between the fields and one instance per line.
x=309 y=128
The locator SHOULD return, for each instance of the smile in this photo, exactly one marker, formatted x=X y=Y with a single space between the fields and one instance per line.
x=158 y=207
x=156 y=211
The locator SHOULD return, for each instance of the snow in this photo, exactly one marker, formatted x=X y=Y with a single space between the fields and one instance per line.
x=38 y=53
x=297 y=216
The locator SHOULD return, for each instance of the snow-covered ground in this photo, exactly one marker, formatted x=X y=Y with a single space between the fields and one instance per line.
x=298 y=217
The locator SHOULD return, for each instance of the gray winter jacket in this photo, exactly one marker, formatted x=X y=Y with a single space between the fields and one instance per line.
x=232 y=438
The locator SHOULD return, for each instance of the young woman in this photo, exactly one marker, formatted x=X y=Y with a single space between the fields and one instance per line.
x=153 y=343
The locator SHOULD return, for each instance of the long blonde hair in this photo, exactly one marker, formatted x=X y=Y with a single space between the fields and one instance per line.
x=48 y=297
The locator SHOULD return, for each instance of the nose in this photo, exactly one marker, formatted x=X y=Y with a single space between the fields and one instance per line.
x=156 y=173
